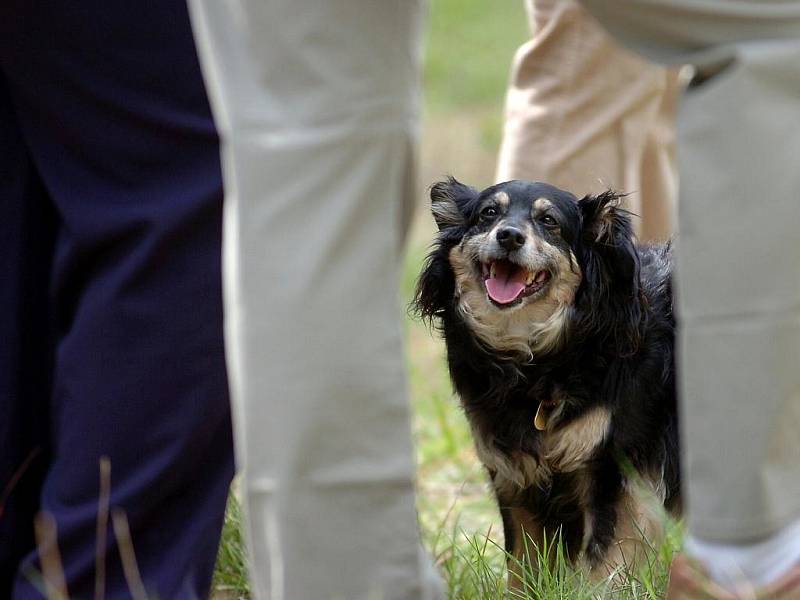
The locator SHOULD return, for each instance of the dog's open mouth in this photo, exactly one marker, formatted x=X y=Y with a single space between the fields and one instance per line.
x=507 y=283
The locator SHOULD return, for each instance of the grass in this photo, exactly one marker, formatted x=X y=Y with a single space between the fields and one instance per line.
x=474 y=567
x=469 y=48
x=230 y=576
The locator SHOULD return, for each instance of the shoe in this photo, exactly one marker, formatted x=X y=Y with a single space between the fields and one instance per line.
x=785 y=588
x=687 y=581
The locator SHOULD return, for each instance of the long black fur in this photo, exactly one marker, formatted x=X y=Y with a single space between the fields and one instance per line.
x=618 y=354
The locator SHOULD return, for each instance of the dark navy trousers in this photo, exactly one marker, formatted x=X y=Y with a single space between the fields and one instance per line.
x=110 y=294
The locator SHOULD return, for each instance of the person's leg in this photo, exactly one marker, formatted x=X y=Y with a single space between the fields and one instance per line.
x=658 y=169
x=27 y=236
x=317 y=111
x=587 y=115
x=739 y=293
x=112 y=106
x=738 y=258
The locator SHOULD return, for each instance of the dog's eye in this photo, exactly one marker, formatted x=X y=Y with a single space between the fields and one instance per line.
x=489 y=212
x=548 y=221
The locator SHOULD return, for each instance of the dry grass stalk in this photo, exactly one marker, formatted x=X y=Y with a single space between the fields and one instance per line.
x=47 y=542
x=102 y=529
x=129 y=565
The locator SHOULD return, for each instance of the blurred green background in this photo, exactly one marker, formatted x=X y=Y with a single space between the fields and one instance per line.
x=469 y=48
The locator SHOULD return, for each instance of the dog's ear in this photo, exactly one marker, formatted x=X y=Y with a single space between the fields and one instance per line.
x=607 y=230
x=435 y=287
x=611 y=270
x=449 y=200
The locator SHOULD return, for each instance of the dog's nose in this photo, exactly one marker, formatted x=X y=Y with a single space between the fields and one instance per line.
x=510 y=238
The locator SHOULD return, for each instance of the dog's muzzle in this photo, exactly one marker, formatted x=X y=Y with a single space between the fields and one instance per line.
x=507 y=282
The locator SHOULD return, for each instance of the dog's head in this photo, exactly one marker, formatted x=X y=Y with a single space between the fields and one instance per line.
x=521 y=263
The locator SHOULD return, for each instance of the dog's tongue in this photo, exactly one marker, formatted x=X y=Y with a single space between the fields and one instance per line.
x=507 y=284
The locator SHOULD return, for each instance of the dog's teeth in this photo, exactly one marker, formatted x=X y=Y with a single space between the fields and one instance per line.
x=540 y=276
x=492 y=271
x=530 y=279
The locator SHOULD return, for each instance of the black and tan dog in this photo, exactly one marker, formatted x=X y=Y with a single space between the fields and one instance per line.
x=559 y=334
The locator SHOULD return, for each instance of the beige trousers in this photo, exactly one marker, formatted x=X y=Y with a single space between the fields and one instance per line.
x=738 y=252
x=317 y=107
x=586 y=115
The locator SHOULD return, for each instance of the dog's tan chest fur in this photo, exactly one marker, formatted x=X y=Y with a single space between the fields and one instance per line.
x=562 y=450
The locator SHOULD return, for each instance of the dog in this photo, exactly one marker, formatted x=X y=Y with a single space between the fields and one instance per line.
x=559 y=331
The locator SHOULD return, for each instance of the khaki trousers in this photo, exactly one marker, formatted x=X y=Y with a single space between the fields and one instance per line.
x=738 y=251
x=317 y=105
x=586 y=115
